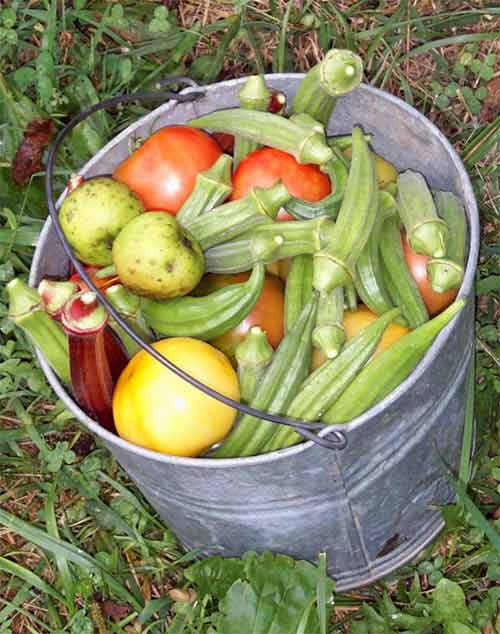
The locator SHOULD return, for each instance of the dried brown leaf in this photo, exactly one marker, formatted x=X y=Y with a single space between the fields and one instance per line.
x=115 y=611
x=28 y=158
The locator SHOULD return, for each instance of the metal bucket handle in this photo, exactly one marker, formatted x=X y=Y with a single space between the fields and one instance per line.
x=305 y=429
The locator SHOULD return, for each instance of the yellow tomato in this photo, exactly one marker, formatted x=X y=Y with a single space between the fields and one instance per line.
x=386 y=172
x=154 y=408
x=357 y=320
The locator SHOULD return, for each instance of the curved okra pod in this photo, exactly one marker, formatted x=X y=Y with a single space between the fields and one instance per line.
x=298 y=288
x=253 y=355
x=233 y=218
x=288 y=368
x=369 y=280
x=205 y=317
x=269 y=242
x=447 y=273
x=425 y=230
x=398 y=280
x=26 y=311
x=337 y=74
x=306 y=145
x=336 y=169
x=335 y=263
x=329 y=334
x=253 y=96
x=211 y=188
x=387 y=370
x=324 y=386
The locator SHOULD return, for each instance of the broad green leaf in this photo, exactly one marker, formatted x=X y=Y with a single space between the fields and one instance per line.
x=276 y=598
x=448 y=603
x=488 y=285
x=215 y=575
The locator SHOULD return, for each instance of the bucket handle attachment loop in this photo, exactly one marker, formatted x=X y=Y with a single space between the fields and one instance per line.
x=335 y=439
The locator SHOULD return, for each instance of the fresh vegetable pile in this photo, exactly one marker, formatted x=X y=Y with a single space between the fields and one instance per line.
x=255 y=262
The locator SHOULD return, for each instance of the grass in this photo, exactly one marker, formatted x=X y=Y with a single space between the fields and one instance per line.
x=80 y=550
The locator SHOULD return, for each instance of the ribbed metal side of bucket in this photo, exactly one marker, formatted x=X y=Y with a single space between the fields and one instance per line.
x=372 y=506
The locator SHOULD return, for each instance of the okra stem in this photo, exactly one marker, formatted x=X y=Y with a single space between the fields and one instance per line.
x=334 y=264
x=337 y=74
x=211 y=188
x=253 y=96
x=128 y=305
x=425 y=230
x=447 y=273
x=329 y=334
x=55 y=294
x=253 y=355
x=233 y=218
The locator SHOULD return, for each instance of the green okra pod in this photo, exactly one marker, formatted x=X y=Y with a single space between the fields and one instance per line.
x=298 y=288
x=369 y=280
x=398 y=280
x=211 y=188
x=386 y=371
x=324 y=386
x=307 y=146
x=337 y=74
x=329 y=333
x=269 y=242
x=277 y=388
x=335 y=264
x=425 y=230
x=304 y=210
x=343 y=141
x=253 y=355
x=350 y=296
x=447 y=273
x=253 y=96
x=205 y=317
x=129 y=307
x=26 y=311
x=235 y=217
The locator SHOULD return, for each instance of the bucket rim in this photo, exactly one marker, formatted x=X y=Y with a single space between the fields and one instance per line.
x=465 y=291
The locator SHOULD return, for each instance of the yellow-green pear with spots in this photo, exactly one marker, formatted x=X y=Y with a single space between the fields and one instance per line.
x=156 y=257
x=94 y=213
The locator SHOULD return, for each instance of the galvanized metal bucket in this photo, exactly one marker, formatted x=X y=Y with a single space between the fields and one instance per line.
x=372 y=506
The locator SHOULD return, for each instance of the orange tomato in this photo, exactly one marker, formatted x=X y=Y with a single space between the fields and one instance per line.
x=101 y=282
x=154 y=408
x=354 y=322
x=435 y=302
x=162 y=172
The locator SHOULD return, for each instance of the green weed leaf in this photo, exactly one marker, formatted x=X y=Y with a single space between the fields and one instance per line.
x=448 y=603
x=215 y=575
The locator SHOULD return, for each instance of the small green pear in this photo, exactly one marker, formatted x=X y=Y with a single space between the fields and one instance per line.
x=155 y=257
x=94 y=213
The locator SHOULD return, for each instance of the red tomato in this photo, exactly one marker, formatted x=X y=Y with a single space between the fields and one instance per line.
x=162 y=172
x=268 y=312
x=435 y=302
x=265 y=167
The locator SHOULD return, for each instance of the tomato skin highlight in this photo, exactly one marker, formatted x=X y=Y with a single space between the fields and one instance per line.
x=417 y=264
x=162 y=172
x=268 y=312
x=266 y=166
